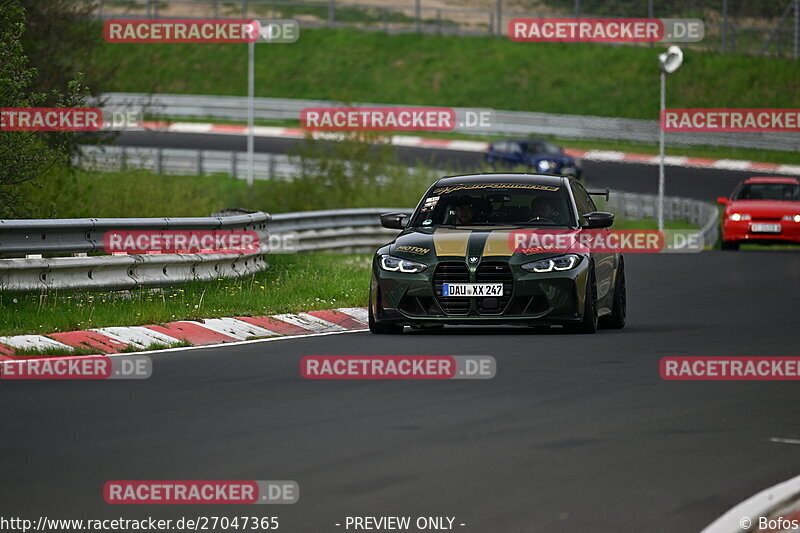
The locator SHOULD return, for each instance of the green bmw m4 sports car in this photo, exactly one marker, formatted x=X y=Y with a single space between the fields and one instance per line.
x=461 y=259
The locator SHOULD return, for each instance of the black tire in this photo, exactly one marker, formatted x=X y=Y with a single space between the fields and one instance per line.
x=616 y=320
x=730 y=245
x=590 y=321
x=382 y=329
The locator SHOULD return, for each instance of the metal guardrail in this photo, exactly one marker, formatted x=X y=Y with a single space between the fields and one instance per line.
x=36 y=239
x=179 y=161
x=635 y=206
x=338 y=230
x=516 y=123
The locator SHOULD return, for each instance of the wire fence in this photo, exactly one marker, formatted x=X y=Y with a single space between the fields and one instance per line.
x=754 y=27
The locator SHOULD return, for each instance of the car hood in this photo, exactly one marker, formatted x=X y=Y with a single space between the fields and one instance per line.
x=763 y=208
x=493 y=243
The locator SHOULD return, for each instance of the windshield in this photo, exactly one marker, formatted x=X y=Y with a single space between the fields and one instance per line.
x=769 y=191
x=496 y=204
x=540 y=147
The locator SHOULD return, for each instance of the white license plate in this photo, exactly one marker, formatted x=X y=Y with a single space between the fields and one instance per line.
x=765 y=228
x=472 y=289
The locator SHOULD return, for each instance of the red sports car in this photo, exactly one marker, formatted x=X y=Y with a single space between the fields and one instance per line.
x=762 y=211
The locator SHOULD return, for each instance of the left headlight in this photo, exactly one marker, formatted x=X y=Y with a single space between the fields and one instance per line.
x=563 y=262
x=396 y=264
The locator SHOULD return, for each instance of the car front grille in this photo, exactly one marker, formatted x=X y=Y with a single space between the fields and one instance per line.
x=494 y=272
x=451 y=272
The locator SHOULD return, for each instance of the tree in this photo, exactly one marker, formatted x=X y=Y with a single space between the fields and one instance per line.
x=26 y=155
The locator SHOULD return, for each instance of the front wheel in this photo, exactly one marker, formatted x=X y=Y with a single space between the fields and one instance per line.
x=616 y=320
x=382 y=329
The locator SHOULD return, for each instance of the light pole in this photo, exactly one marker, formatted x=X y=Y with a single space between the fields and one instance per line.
x=669 y=62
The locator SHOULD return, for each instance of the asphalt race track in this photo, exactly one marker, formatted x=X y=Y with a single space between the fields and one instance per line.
x=700 y=183
x=576 y=433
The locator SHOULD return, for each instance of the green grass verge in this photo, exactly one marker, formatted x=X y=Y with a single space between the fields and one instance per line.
x=356 y=66
x=338 y=281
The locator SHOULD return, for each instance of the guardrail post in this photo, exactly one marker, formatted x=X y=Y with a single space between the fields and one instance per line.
x=233 y=165
x=123 y=161
x=418 y=15
x=331 y=12
x=199 y=162
x=271 y=166
x=159 y=162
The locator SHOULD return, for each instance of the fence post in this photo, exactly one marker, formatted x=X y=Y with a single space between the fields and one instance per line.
x=216 y=9
x=199 y=162
x=491 y=23
x=439 y=21
x=147 y=9
x=796 y=53
x=271 y=166
x=244 y=9
x=418 y=14
x=331 y=12
x=385 y=17
x=159 y=162
x=724 y=26
x=499 y=18
x=123 y=163
x=233 y=165
x=577 y=8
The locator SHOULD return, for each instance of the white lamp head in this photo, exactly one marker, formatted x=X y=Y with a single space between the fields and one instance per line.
x=671 y=60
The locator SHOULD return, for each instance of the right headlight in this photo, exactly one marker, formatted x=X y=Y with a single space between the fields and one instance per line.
x=398 y=264
x=562 y=262
x=736 y=217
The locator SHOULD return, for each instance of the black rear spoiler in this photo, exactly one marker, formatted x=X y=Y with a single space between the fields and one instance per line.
x=599 y=192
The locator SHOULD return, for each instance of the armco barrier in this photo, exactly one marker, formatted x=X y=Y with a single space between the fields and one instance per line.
x=338 y=230
x=516 y=123
x=70 y=240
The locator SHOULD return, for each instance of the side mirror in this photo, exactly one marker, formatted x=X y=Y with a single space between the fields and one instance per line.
x=598 y=220
x=394 y=220
x=722 y=200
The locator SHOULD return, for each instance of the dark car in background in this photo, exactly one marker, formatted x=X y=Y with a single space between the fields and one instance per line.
x=534 y=155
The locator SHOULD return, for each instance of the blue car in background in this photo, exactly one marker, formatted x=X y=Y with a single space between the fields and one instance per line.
x=536 y=155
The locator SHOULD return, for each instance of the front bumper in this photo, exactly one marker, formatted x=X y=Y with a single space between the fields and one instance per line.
x=741 y=231
x=528 y=298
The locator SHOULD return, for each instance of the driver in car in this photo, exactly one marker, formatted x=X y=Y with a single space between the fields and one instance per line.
x=465 y=211
x=543 y=209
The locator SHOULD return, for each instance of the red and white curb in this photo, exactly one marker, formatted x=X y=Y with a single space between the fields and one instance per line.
x=112 y=340
x=476 y=146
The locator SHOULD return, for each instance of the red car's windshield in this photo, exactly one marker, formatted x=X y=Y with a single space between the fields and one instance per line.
x=769 y=191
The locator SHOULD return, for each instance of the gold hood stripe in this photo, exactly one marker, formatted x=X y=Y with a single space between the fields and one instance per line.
x=497 y=244
x=451 y=242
